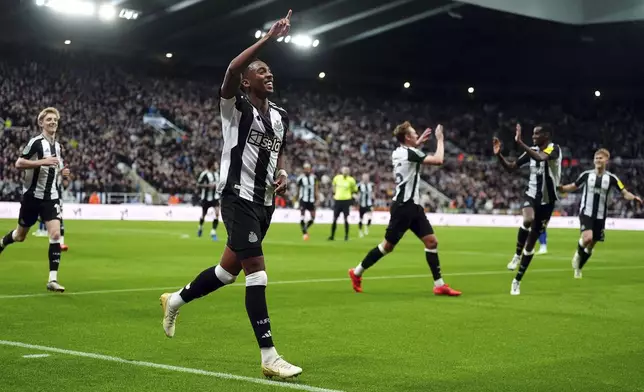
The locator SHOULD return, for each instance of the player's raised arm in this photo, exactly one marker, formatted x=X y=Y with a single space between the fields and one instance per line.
x=509 y=166
x=625 y=193
x=439 y=155
x=232 y=79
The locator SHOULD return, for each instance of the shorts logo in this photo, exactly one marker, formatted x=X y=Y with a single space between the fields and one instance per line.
x=583 y=227
x=252 y=237
x=526 y=204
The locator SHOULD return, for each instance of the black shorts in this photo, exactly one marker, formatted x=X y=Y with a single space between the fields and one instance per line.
x=207 y=204
x=364 y=210
x=307 y=206
x=32 y=208
x=341 y=206
x=246 y=224
x=407 y=216
x=542 y=213
x=596 y=225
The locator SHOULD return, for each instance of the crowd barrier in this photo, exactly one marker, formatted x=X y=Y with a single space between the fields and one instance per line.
x=136 y=212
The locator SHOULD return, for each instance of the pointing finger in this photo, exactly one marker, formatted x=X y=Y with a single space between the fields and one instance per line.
x=288 y=16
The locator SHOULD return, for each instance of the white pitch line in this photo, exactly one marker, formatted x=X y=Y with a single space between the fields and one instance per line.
x=225 y=376
x=328 y=280
x=35 y=356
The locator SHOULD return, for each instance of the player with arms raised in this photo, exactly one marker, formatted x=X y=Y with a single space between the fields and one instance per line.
x=544 y=158
x=596 y=185
x=406 y=212
x=41 y=160
x=254 y=131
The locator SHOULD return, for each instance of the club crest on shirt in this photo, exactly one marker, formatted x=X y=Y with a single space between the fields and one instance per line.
x=278 y=127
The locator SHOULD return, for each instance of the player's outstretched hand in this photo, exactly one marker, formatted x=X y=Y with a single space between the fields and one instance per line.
x=517 y=135
x=439 y=133
x=65 y=172
x=638 y=199
x=424 y=137
x=281 y=27
x=496 y=145
x=280 y=184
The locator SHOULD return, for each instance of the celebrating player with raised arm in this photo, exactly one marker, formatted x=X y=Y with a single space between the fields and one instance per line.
x=251 y=173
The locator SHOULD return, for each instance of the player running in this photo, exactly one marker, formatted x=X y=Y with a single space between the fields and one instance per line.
x=596 y=185
x=406 y=212
x=254 y=131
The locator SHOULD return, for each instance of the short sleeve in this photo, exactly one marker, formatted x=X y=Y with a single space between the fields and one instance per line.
x=415 y=155
x=201 y=178
x=553 y=151
x=228 y=105
x=523 y=159
x=30 y=149
x=581 y=180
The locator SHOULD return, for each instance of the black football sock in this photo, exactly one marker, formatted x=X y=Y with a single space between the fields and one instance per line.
x=54 y=256
x=346 y=229
x=369 y=223
x=371 y=258
x=303 y=226
x=584 y=256
x=431 y=255
x=360 y=225
x=521 y=239
x=62 y=228
x=215 y=223
x=205 y=283
x=525 y=263
x=201 y=222
x=333 y=227
x=257 y=309
x=309 y=224
x=7 y=240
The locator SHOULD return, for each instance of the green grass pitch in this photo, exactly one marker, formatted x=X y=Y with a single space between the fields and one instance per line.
x=561 y=334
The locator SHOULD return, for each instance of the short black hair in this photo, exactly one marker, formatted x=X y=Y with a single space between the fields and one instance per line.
x=211 y=162
x=546 y=128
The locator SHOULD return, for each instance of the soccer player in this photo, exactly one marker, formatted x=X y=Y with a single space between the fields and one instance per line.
x=40 y=160
x=254 y=131
x=540 y=196
x=344 y=186
x=406 y=212
x=207 y=182
x=543 y=243
x=308 y=190
x=597 y=185
x=365 y=197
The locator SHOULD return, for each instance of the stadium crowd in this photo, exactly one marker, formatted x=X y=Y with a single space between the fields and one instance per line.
x=103 y=103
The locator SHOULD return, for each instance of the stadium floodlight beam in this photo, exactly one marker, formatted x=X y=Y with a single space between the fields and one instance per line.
x=72 y=7
x=40 y=3
x=598 y=93
x=470 y=90
x=258 y=34
x=303 y=41
x=407 y=85
x=107 y=12
x=321 y=75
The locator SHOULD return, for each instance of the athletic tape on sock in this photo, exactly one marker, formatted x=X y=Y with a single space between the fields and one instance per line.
x=382 y=249
x=224 y=276
x=52 y=241
x=257 y=279
x=435 y=250
x=528 y=253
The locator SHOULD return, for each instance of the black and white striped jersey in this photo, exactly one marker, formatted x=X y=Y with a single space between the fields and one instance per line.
x=306 y=186
x=596 y=188
x=252 y=144
x=407 y=162
x=544 y=176
x=41 y=182
x=365 y=194
x=208 y=177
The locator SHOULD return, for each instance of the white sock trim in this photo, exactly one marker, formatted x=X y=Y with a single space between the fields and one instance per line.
x=359 y=270
x=525 y=228
x=382 y=249
x=52 y=241
x=269 y=354
x=439 y=282
x=224 y=276
x=53 y=275
x=258 y=278
x=435 y=250
x=581 y=242
x=14 y=234
x=530 y=253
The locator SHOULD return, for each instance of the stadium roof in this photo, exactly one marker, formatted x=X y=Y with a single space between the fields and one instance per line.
x=424 y=41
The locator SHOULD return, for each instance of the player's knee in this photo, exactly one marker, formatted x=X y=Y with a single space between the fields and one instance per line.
x=587 y=238
x=527 y=223
x=259 y=278
x=386 y=247
x=430 y=242
x=54 y=236
x=224 y=276
x=18 y=236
